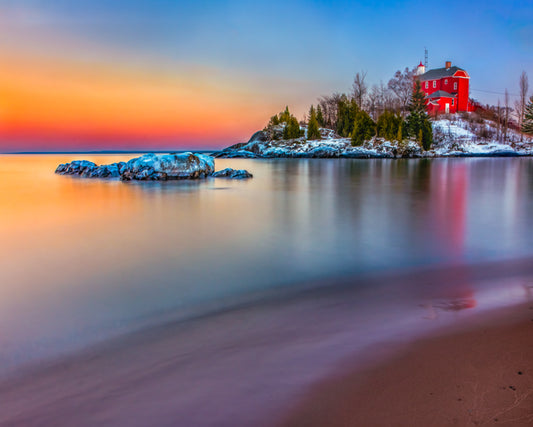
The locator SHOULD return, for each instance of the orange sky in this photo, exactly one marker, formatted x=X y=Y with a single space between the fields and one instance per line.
x=47 y=102
x=64 y=87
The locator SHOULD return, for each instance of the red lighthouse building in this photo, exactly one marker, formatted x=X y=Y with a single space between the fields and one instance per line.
x=446 y=89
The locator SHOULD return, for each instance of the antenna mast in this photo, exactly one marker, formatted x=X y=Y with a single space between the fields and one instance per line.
x=426 y=57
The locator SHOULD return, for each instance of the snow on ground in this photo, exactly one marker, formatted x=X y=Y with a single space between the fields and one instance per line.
x=453 y=136
x=458 y=136
x=453 y=129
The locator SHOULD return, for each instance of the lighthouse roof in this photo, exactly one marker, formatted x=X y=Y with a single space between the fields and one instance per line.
x=440 y=94
x=439 y=73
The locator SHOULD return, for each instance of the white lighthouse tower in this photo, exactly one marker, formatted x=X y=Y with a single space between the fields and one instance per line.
x=421 y=69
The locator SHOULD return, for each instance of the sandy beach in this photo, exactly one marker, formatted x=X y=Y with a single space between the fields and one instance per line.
x=478 y=376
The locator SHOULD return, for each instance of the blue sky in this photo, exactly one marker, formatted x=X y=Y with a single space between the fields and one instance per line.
x=281 y=52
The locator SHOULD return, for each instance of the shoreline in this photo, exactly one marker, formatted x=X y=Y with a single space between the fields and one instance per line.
x=408 y=279
x=475 y=374
x=248 y=364
x=368 y=156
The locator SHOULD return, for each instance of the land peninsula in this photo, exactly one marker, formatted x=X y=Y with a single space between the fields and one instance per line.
x=418 y=113
x=464 y=135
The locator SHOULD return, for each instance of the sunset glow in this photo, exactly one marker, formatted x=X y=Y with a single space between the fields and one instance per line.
x=48 y=102
x=172 y=75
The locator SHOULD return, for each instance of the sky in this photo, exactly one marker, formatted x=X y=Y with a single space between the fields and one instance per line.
x=161 y=74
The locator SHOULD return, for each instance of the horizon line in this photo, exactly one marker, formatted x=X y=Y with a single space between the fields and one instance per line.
x=204 y=150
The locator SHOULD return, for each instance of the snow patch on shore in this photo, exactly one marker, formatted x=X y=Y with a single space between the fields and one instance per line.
x=453 y=137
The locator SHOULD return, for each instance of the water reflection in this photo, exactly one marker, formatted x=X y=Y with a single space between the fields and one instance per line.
x=80 y=258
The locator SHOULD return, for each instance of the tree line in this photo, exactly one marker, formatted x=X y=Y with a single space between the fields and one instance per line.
x=394 y=113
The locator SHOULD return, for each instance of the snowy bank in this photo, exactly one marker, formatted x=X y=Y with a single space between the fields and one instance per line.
x=453 y=138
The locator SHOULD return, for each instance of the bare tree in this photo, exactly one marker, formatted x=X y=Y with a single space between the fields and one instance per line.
x=360 y=88
x=379 y=99
x=371 y=102
x=374 y=102
x=390 y=102
x=402 y=86
x=506 y=115
x=329 y=105
x=499 y=115
x=520 y=105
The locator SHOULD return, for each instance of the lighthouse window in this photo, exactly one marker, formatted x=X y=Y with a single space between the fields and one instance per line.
x=455 y=86
x=453 y=102
x=445 y=81
x=434 y=84
x=427 y=85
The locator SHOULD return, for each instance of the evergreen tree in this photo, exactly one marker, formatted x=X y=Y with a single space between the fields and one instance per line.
x=346 y=115
x=400 y=136
x=320 y=116
x=427 y=135
x=285 y=116
x=364 y=128
x=312 y=128
x=418 y=124
x=417 y=104
x=292 y=129
x=383 y=125
x=274 y=120
x=527 y=125
x=390 y=126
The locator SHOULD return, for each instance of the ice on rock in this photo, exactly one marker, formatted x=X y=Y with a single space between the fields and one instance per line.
x=148 y=167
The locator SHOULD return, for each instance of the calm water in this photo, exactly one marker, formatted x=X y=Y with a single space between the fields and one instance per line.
x=83 y=259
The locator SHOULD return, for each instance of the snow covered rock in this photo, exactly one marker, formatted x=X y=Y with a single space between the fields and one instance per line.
x=76 y=167
x=232 y=173
x=106 y=171
x=148 y=167
x=260 y=136
x=168 y=166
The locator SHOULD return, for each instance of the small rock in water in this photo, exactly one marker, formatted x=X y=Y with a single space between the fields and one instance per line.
x=232 y=173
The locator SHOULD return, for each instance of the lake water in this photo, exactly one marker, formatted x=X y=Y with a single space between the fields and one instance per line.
x=82 y=260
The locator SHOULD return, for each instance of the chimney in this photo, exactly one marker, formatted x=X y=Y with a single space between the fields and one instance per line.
x=448 y=64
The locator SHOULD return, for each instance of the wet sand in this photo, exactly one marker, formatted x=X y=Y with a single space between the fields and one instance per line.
x=265 y=363
x=479 y=376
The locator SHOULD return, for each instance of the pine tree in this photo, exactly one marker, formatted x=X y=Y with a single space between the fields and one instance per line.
x=527 y=125
x=400 y=135
x=274 y=120
x=427 y=135
x=346 y=115
x=384 y=124
x=417 y=104
x=418 y=124
x=364 y=128
x=320 y=116
x=285 y=116
x=389 y=126
x=312 y=128
x=292 y=129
